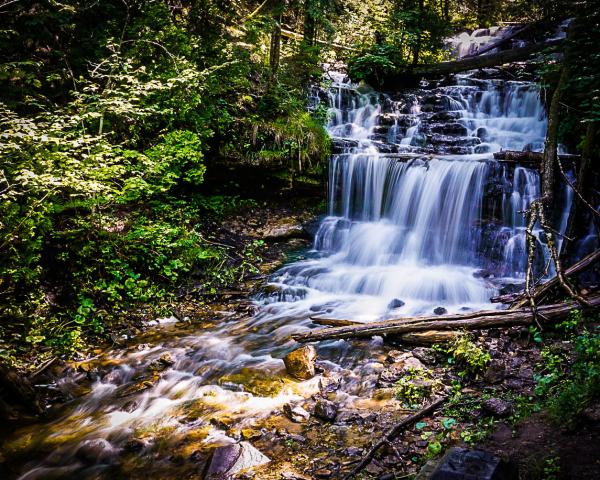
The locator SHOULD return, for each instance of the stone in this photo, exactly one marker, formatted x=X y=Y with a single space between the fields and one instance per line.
x=161 y=363
x=229 y=460
x=463 y=463
x=134 y=445
x=130 y=406
x=495 y=372
x=395 y=303
x=497 y=407
x=325 y=410
x=440 y=311
x=296 y=413
x=425 y=355
x=300 y=363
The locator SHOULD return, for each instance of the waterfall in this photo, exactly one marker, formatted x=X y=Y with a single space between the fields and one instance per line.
x=411 y=224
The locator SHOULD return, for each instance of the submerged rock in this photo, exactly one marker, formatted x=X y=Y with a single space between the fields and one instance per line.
x=325 y=410
x=300 y=363
x=440 y=311
x=229 y=460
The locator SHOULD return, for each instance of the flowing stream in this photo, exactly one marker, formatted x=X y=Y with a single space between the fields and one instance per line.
x=421 y=219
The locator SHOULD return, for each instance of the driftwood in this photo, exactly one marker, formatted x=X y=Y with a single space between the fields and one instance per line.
x=528 y=157
x=469 y=321
x=393 y=433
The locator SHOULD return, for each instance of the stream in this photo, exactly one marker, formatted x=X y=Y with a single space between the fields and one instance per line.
x=421 y=219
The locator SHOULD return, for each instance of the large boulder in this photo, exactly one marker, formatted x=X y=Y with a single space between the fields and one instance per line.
x=229 y=460
x=300 y=363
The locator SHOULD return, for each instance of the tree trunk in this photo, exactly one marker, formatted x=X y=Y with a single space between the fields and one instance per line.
x=309 y=23
x=275 y=50
x=470 y=321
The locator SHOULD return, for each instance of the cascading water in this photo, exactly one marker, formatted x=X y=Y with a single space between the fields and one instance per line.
x=420 y=216
x=407 y=192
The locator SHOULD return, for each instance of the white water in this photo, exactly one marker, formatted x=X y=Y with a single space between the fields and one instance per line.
x=410 y=230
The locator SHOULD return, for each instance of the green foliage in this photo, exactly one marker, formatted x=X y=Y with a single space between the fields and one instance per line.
x=107 y=138
x=416 y=386
x=413 y=33
x=466 y=355
x=565 y=387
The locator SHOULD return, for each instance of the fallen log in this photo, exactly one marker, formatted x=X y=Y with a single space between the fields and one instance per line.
x=528 y=157
x=429 y=337
x=394 y=432
x=500 y=58
x=470 y=321
x=581 y=265
x=413 y=74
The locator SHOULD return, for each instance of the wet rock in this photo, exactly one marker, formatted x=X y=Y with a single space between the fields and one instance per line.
x=296 y=413
x=161 y=363
x=325 y=410
x=395 y=303
x=462 y=463
x=230 y=460
x=440 y=311
x=497 y=407
x=402 y=363
x=96 y=450
x=454 y=128
x=300 y=363
x=495 y=373
x=114 y=377
x=425 y=355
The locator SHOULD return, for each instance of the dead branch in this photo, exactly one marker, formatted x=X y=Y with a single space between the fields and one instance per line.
x=394 y=432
